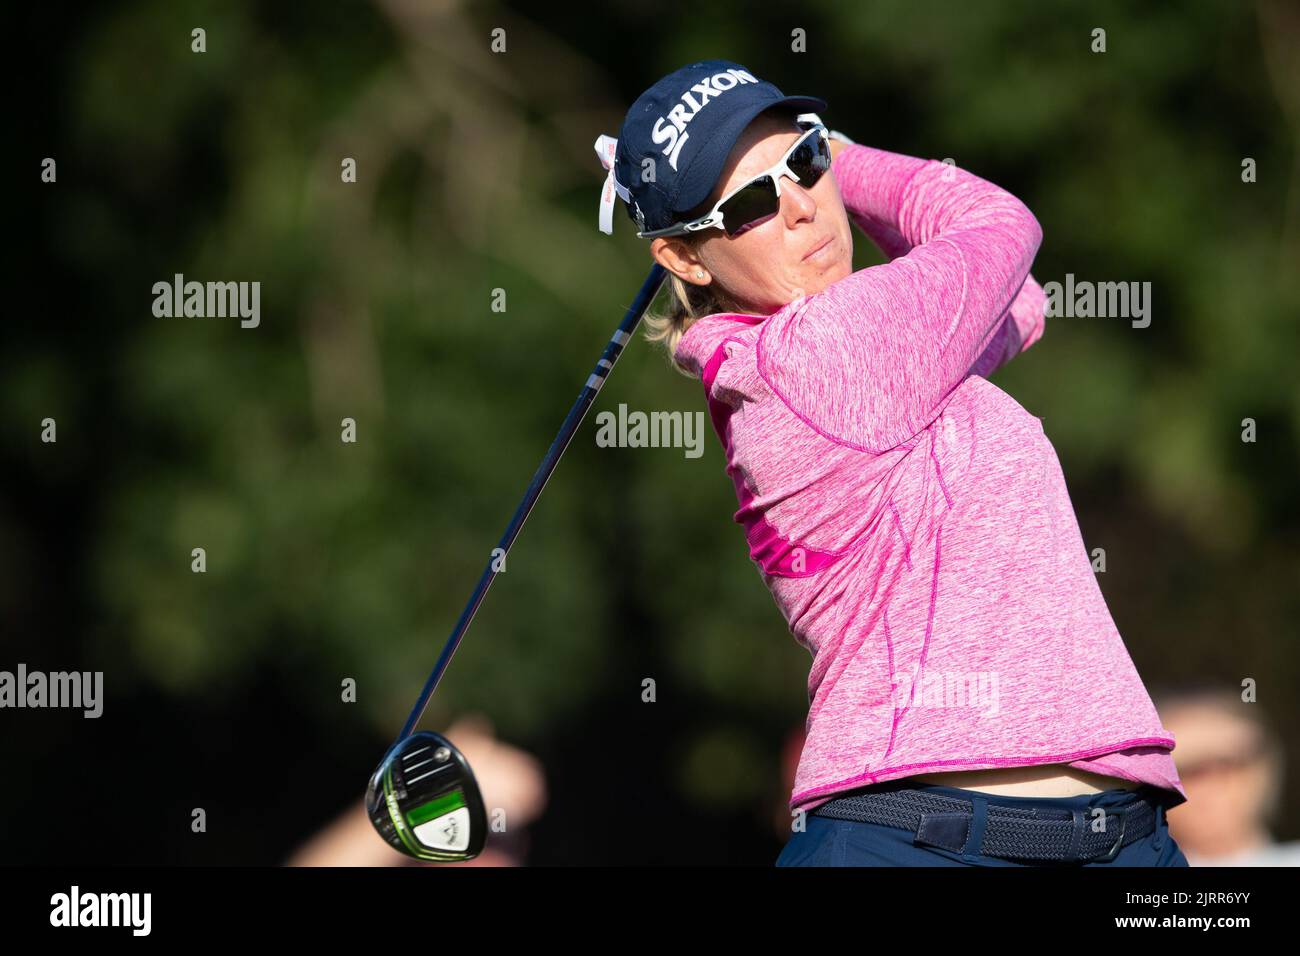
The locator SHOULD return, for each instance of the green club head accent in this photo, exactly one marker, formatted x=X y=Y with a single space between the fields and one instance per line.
x=424 y=801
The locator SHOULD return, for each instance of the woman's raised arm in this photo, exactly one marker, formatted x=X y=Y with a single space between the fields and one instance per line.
x=869 y=360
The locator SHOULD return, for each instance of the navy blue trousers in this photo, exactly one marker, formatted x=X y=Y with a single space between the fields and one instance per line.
x=828 y=842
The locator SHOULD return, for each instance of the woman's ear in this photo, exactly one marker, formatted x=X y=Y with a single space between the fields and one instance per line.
x=680 y=259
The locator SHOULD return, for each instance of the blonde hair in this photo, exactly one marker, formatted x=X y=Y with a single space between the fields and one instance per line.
x=689 y=302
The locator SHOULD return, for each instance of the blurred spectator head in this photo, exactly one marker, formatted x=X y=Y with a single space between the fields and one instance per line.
x=1231 y=763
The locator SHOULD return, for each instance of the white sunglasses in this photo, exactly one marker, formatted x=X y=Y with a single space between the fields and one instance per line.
x=804 y=162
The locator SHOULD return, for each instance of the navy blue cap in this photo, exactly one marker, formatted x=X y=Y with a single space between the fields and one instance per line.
x=687 y=125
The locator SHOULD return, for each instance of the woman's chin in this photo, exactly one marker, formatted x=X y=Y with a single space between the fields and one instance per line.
x=826 y=270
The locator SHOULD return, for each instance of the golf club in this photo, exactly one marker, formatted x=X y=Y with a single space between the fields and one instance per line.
x=423 y=798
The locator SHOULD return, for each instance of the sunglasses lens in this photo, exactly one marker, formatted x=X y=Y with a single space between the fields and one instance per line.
x=751 y=205
x=757 y=201
x=810 y=160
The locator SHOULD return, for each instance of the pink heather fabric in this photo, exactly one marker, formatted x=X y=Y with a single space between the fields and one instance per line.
x=910 y=518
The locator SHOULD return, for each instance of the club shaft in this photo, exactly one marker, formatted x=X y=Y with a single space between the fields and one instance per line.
x=622 y=335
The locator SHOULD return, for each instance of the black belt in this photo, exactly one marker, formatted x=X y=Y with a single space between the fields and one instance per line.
x=1010 y=832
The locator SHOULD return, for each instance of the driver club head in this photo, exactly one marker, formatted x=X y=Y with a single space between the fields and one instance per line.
x=424 y=801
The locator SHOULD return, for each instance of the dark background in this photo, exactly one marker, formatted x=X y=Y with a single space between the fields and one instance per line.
x=329 y=560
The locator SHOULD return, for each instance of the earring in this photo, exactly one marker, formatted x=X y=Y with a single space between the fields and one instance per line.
x=699 y=275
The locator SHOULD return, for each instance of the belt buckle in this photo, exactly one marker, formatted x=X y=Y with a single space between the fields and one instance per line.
x=1119 y=840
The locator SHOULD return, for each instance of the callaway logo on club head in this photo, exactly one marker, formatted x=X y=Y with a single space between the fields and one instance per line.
x=671 y=129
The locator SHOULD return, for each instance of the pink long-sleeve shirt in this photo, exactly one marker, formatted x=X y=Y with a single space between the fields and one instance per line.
x=911 y=518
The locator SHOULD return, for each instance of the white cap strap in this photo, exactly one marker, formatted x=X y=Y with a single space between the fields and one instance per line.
x=606 y=149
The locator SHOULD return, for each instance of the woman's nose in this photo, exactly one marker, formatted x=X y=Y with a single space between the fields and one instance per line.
x=796 y=200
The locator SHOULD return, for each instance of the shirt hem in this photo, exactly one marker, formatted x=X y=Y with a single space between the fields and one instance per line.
x=824 y=792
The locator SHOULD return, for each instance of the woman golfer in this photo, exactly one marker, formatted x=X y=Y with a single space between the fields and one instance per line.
x=970 y=699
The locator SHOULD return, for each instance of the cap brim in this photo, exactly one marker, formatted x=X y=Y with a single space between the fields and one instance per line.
x=699 y=180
